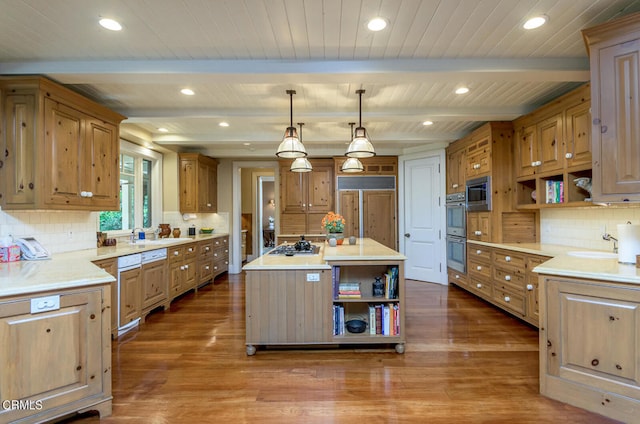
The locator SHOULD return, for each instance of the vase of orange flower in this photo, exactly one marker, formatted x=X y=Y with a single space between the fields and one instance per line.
x=333 y=223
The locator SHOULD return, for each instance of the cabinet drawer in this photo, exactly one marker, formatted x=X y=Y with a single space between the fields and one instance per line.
x=482 y=287
x=175 y=254
x=190 y=251
x=479 y=269
x=509 y=299
x=456 y=277
x=477 y=251
x=509 y=259
x=205 y=249
x=509 y=278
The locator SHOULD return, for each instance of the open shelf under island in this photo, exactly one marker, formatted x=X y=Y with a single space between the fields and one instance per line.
x=309 y=299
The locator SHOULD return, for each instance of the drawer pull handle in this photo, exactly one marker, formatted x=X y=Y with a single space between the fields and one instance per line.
x=478 y=233
x=507 y=278
x=507 y=258
x=176 y=253
x=507 y=299
x=529 y=287
x=478 y=252
x=479 y=268
x=457 y=277
x=454 y=185
x=569 y=155
x=182 y=268
x=479 y=285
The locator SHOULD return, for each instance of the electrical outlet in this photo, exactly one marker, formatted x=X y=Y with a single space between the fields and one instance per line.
x=313 y=276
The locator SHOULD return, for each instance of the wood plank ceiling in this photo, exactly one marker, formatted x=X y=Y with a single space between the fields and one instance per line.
x=240 y=56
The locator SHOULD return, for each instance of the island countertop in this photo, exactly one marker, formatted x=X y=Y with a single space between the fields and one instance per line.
x=365 y=249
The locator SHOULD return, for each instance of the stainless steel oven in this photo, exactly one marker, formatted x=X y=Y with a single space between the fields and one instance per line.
x=457 y=253
x=456 y=215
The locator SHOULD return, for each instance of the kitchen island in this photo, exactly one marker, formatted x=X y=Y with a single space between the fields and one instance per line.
x=302 y=299
x=590 y=334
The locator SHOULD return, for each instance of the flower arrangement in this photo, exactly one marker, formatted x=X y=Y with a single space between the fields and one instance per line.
x=333 y=222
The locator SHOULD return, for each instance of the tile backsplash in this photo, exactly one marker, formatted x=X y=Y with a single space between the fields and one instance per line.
x=65 y=231
x=583 y=227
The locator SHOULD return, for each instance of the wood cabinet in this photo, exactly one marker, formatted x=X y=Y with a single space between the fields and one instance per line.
x=456 y=169
x=552 y=149
x=458 y=278
x=198 y=183
x=155 y=286
x=130 y=292
x=479 y=226
x=111 y=266
x=305 y=197
x=614 y=49
x=205 y=261
x=183 y=269
x=61 y=150
x=590 y=345
x=58 y=360
x=243 y=244
x=503 y=277
x=478 y=157
x=376 y=165
x=375 y=209
x=220 y=255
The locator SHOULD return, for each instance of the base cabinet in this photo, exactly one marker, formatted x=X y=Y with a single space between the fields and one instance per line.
x=590 y=345
x=57 y=362
x=111 y=266
x=155 y=286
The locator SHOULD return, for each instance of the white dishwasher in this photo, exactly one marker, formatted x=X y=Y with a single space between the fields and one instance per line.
x=128 y=281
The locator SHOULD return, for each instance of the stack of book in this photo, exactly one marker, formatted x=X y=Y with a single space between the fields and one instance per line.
x=555 y=191
x=349 y=291
x=391 y=283
x=384 y=319
x=338 y=320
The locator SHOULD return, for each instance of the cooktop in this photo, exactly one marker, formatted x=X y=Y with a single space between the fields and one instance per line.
x=290 y=250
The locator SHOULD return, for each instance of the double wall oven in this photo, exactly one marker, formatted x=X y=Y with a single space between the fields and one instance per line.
x=456 y=231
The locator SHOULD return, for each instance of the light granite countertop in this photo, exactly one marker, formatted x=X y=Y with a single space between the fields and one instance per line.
x=74 y=269
x=562 y=264
x=365 y=249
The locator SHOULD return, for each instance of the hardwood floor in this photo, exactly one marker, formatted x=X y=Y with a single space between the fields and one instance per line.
x=465 y=362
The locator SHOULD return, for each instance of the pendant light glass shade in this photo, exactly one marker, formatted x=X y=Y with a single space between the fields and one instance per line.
x=301 y=164
x=360 y=146
x=352 y=165
x=291 y=146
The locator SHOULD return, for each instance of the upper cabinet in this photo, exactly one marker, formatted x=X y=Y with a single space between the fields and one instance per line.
x=61 y=150
x=614 y=49
x=198 y=183
x=552 y=150
x=305 y=197
x=456 y=172
x=376 y=165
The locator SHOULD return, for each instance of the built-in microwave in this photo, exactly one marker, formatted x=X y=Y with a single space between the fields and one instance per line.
x=479 y=194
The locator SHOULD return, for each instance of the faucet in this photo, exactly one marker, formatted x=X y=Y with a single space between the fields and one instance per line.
x=132 y=237
x=609 y=237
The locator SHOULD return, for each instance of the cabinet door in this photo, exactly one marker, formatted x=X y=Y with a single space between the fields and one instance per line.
x=20 y=150
x=456 y=162
x=176 y=275
x=551 y=144
x=379 y=216
x=527 y=151
x=616 y=152
x=479 y=226
x=349 y=202
x=155 y=287
x=188 y=186
x=320 y=189
x=190 y=275
x=578 y=148
x=101 y=164
x=293 y=195
x=532 y=292
x=593 y=332
x=130 y=296
x=69 y=337
x=212 y=189
x=64 y=172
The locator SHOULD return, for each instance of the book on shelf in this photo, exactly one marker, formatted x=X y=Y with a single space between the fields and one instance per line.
x=555 y=191
x=349 y=290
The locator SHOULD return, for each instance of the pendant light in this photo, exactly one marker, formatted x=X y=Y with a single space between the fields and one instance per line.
x=352 y=165
x=301 y=164
x=291 y=147
x=360 y=146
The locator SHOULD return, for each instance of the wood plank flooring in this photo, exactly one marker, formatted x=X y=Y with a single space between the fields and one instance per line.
x=465 y=362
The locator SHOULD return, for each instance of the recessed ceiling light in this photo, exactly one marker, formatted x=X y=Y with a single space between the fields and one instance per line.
x=163 y=129
x=462 y=90
x=110 y=24
x=426 y=123
x=535 y=22
x=377 y=24
x=187 y=92
x=246 y=144
x=223 y=124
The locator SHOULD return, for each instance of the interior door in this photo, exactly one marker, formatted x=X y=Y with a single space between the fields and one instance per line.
x=424 y=220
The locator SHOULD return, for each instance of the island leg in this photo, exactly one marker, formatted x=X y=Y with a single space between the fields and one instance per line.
x=251 y=350
x=400 y=348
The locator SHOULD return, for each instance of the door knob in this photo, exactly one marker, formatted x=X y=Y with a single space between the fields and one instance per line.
x=407 y=235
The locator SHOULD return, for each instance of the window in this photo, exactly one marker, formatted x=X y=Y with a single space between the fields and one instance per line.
x=140 y=190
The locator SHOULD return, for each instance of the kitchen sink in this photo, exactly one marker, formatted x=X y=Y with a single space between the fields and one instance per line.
x=592 y=255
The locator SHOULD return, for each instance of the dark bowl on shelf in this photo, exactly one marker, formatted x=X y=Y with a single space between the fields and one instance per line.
x=356 y=326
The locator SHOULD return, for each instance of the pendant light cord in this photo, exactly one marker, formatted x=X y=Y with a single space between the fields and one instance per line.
x=360 y=92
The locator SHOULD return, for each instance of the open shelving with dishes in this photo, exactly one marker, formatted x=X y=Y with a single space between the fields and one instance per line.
x=371 y=295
